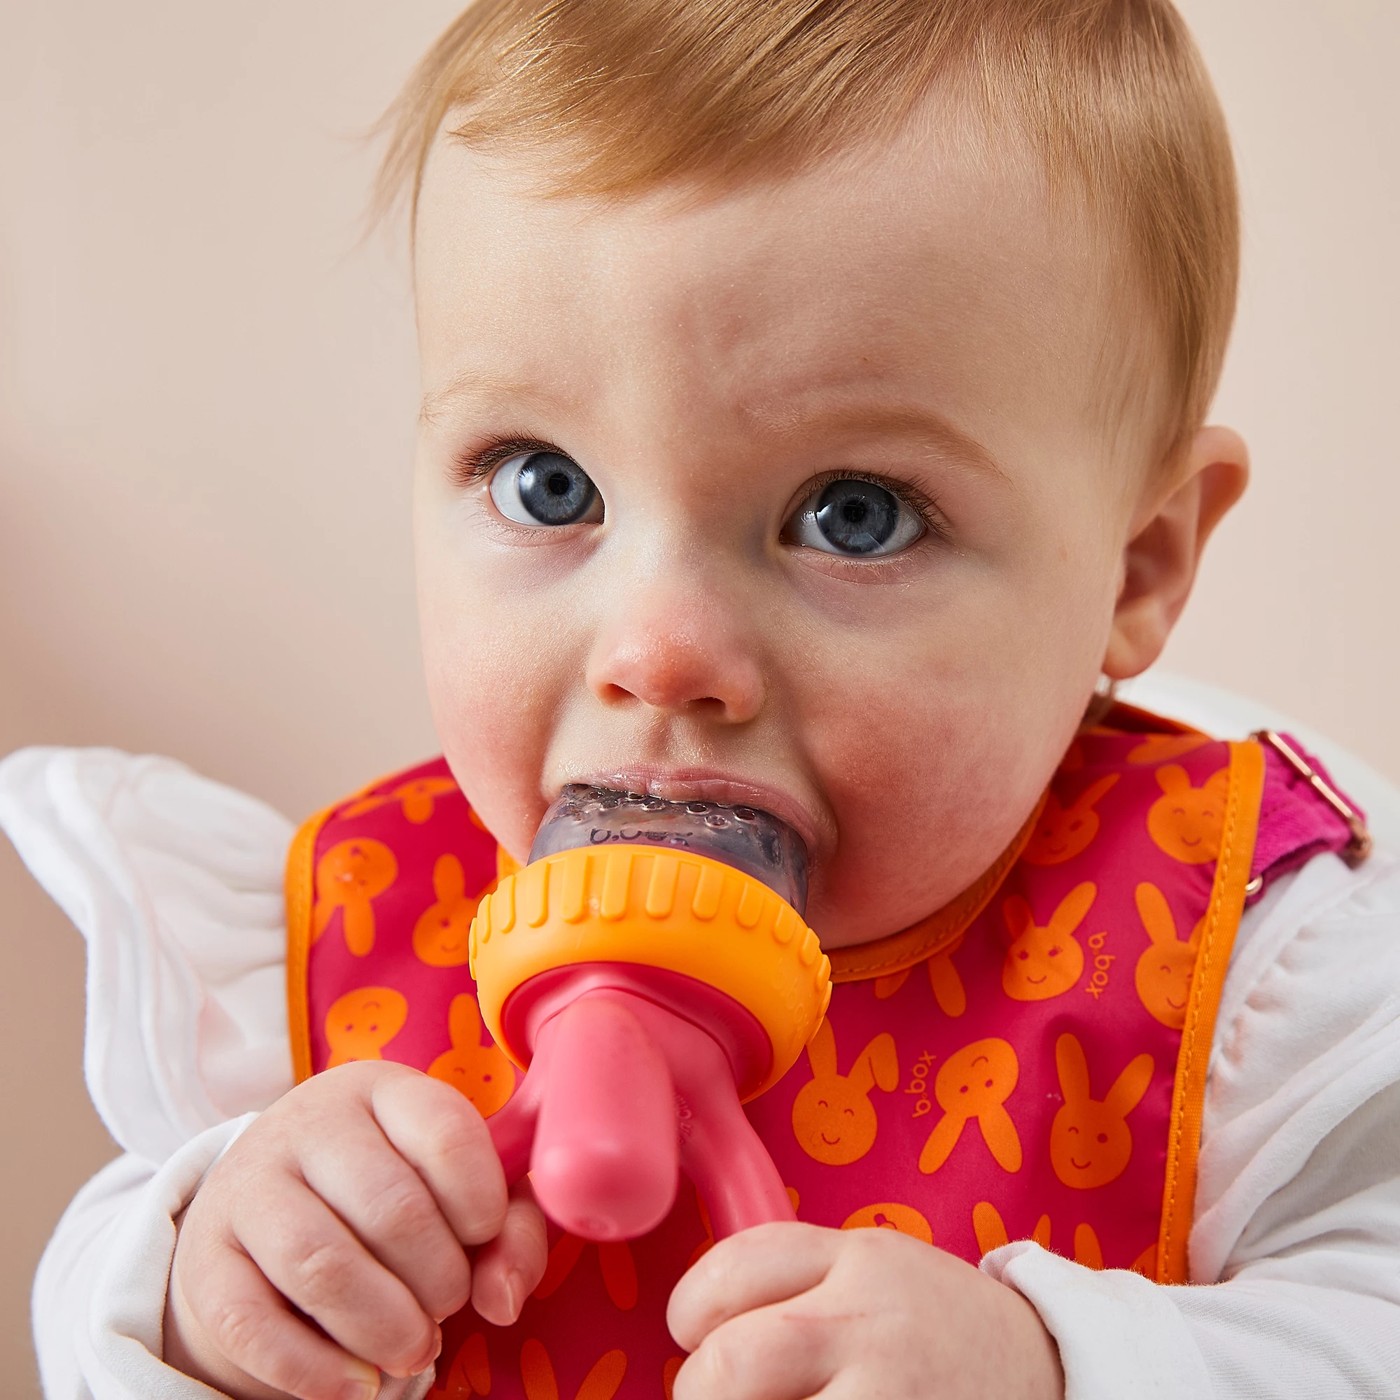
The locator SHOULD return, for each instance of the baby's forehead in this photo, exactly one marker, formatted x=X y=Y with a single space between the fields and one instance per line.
x=942 y=251
x=1112 y=98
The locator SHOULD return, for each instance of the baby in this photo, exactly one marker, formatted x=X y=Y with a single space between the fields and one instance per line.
x=813 y=419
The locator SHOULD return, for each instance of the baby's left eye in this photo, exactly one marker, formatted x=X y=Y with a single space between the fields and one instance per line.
x=852 y=516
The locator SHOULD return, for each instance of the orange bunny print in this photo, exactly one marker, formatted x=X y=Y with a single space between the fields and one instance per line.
x=976 y=1083
x=1090 y=1141
x=441 y=933
x=889 y=1215
x=1158 y=748
x=477 y=1067
x=601 y=1382
x=991 y=1234
x=361 y=1023
x=348 y=877
x=1044 y=961
x=614 y=1259
x=669 y=1372
x=1164 y=968
x=468 y=1375
x=1187 y=822
x=947 y=984
x=943 y=977
x=1146 y=1262
x=416 y=796
x=1087 y=1249
x=990 y=1230
x=888 y=984
x=832 y=1116
x=1065 y=832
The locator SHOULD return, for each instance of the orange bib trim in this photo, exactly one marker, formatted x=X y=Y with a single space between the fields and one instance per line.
x=1232 y=873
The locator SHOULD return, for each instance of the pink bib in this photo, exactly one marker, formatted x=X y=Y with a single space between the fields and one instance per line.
x=1029 y=1063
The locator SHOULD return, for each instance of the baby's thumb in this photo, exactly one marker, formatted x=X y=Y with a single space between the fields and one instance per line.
x=509 y=1268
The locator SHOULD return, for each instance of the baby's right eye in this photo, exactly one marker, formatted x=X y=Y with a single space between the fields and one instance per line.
x=544 y=489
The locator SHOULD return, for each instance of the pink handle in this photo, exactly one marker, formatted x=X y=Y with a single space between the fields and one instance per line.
x=620 y=1094
x=606 y=1155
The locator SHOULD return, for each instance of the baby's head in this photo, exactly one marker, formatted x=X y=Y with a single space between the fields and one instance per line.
x=812 y=405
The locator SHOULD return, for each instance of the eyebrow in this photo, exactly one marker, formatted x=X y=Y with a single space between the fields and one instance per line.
x=909 y=418
x=913 y=419
x=484 y=384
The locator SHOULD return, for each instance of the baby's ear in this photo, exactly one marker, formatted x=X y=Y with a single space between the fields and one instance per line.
x=1169 y=535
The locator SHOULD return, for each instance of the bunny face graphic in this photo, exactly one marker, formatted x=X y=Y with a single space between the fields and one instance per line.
x=1044 y=961
x=479 y=1070
x=1064 y=832
x=1187 y=822
x=349 y=877
x=441 y=934
x=1164 y=968
x=974 y=1085
x=1090 y=1141
x=832 y=1116
x=361 y=1023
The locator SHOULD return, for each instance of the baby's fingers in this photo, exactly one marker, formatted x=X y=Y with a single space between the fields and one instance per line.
x=315 y=1261
x=509 y=1269
x=253 y=1329
x=390 y=1209
x=447 y=1143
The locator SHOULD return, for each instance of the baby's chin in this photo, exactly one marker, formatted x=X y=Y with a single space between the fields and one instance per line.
x=844 y=920
x=886 y=887
x=847 y=924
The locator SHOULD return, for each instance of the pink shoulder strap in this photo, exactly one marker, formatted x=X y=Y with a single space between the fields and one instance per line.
x=1292 y=832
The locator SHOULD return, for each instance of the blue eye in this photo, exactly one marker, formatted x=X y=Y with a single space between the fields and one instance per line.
x=544 y=488
x=855 y=517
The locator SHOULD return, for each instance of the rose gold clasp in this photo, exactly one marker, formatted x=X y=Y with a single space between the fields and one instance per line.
x=1359 y=847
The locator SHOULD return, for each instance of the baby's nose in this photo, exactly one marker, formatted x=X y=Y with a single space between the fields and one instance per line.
x=678 y=652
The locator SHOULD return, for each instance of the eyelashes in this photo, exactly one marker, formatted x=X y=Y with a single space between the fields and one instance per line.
x=471 y=467
x=467 y=468
x=924 y=507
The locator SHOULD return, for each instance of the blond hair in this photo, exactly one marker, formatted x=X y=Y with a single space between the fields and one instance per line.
x=628 y=95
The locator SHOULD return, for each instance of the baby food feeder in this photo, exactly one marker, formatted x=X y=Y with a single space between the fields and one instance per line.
x=650 y=969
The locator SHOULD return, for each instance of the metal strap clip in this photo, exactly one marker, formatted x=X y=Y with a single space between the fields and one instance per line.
x=1359 y=847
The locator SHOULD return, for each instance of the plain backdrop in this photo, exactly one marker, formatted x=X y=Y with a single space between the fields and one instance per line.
x=206 y=402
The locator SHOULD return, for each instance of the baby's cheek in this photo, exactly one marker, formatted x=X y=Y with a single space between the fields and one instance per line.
x=918 y=806
x=491 y=712
x=930 y=779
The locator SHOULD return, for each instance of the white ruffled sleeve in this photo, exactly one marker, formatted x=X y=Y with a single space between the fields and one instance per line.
x=176 y=884
x=1295 y=1242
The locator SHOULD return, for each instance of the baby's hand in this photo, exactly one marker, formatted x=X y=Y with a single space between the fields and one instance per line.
x=331 y=1239
x=790 y=1310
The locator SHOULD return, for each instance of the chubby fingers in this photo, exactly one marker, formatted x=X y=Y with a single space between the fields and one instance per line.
x=340 y=1231
x=736 y=1313
x=253 y=1338
x=509 y=1268
x=322 y=1264
x=446 y=1141
x=417 y=1182
x=767 y=1264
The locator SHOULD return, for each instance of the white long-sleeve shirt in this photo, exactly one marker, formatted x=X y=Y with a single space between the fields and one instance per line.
x=176 y=883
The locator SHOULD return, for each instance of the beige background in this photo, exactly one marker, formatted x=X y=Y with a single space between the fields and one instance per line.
x=206 y=393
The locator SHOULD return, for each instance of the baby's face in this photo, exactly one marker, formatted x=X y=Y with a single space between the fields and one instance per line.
x=805 y=497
